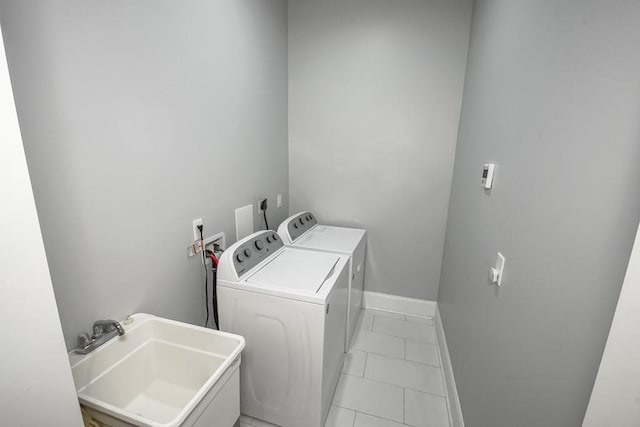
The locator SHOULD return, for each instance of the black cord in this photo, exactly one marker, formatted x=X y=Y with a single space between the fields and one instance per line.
x=214 y=296
x=264 y=212
x=206 y=276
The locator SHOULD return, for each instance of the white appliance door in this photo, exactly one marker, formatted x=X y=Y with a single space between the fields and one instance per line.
x=281 y=369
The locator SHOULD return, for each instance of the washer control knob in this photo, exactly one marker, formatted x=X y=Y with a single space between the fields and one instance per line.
x=308 y=217
x=295 y=225
x=247 y=252
x=269 y=239
x=274 y=237
x=301 y=220
x=239 y=257
x=259 y=244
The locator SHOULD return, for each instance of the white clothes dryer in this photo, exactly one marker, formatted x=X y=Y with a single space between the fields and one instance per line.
x=290 y=306
x=303 y=231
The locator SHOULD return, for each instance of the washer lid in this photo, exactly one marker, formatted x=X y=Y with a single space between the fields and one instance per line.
x=296 y=270
x=331 y=238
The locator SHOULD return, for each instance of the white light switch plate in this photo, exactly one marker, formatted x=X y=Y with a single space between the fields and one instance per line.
x=500 y=267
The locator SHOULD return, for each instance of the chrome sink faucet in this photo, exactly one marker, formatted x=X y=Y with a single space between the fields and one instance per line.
x=103 y=331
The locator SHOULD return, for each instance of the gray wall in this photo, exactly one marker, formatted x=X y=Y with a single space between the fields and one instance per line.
x=374 y=99
x=138 y=117
x=36 y=385
x=552 y=95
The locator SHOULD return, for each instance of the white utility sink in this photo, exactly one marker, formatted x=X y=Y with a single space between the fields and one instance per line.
x=161 y=373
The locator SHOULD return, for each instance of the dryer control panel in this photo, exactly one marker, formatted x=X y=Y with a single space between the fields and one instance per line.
x=299 y=224
x=254 y=250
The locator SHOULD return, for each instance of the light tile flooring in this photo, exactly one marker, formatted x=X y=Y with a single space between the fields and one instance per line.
x=392 y=377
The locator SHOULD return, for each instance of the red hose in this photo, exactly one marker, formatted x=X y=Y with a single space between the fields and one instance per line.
x=214 y=260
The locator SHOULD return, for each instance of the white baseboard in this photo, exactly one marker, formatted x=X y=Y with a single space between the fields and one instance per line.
x=398 y=304
x=455 y=411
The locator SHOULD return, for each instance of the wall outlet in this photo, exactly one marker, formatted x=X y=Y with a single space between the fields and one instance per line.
x=279 y=201
x=196 y=232
x=262 y=206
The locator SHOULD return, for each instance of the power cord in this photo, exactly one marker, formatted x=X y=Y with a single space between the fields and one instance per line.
x=206 y=274
x=214 y=293
x=263 y=206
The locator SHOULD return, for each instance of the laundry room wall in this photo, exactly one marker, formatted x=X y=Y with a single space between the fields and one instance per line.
x=374 y=100
x=552 y=96
x=138 y=117
x=36 y=384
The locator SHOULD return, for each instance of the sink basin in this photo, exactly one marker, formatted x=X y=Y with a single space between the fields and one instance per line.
x=161 y=373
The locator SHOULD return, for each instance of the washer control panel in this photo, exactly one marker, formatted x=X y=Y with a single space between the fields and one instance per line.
x=253 y=251
x=298 y=225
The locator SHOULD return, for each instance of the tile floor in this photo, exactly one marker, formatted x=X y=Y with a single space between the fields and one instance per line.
x=392 y=377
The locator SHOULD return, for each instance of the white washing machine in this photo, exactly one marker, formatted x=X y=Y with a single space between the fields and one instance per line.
x=290 y=305
x=303 y=231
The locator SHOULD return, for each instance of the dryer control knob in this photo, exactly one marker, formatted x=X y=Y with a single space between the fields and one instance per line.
x=247 y=252
x=295 y=225
x=259 y=244
x=274 y=237
x=301 y=220
x=269 y=239
x=239 y=258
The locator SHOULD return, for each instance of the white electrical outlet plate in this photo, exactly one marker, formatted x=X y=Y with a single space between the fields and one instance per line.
x=196 y=232
x=279 y=200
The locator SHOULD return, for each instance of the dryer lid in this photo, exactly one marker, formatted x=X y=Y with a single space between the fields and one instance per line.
x=296 y=270
x=330 y=238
